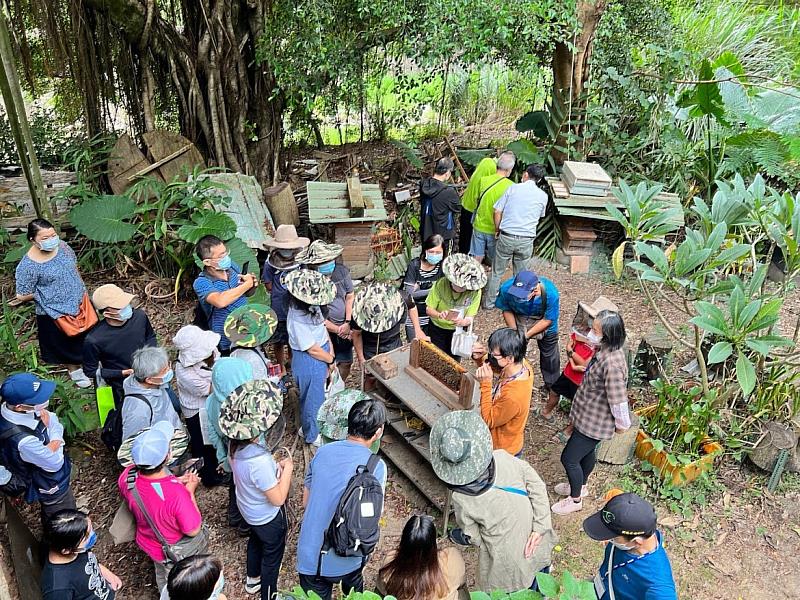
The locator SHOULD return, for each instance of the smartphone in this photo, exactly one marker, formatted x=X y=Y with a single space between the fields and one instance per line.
x=196 y=466
x=245 y=267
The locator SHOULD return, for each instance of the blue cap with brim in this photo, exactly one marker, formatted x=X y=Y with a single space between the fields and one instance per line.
x=26 y=388
x=524 y=283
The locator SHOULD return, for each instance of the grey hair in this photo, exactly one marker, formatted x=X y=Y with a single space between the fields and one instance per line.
x=149 y=362
x=506 y=161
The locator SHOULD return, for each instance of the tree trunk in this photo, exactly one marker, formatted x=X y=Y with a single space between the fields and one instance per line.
x=571 y=68
x=225 y=98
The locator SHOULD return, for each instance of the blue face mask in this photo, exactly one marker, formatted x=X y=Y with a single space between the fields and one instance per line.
x=433 y=259
x=125 y=313
x=224 y=263
x=90 y=542
x=327 y=268
x=49 y=244
x=167 y=377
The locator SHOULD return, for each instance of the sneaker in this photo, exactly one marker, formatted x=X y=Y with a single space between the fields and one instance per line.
x=457 y=536
x=562 y=489
x=300 y=432
x=317 y=442
x=80 y=379
x=567 y=505
x=252 y=585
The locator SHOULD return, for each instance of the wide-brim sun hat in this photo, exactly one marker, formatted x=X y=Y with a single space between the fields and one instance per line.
x=178 y=445
x=377 y=307
x=250 y=409
x=194 y=344
x=310 y=287
x=460 y=447
x=332 y=415
x=319 y=253
x=250 y=325
x=464 y=271
x=286 y=237
x=595 y=308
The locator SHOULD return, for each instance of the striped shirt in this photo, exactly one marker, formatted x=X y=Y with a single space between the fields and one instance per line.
x=604 y=384
x=418 y=283
x=204 y=285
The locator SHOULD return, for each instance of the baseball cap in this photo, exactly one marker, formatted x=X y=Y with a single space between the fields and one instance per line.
x=110 y=296
x=26 y=388
x=151 y=446
x=523 y=284
x=625 y=514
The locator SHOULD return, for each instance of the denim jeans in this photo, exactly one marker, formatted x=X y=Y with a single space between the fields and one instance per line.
x=265 y=552
x=482 y=244
x=516 y=250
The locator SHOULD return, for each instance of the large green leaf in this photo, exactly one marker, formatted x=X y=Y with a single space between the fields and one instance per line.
x=719 y=352
x=207 y=222
x=102 y=218
x=534 y=121
x=745 y=374
x=526 y=151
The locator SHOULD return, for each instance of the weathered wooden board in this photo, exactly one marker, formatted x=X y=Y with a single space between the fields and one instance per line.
x=419 y=471
x=330 y=203
x=15 y=196
x=125 y=160
x=160 y=144
x=434 y=386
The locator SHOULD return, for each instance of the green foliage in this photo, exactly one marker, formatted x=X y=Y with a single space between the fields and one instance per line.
x=52 y=139
x=101 y=218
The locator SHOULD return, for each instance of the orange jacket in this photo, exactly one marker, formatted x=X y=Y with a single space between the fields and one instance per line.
x=507 y=413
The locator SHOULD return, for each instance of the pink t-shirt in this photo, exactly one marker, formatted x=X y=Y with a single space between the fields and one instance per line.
x=169 y=505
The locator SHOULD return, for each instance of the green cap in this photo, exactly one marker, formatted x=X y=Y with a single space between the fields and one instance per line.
x=377 y=307
x=178 y=445
x=461 y=447
x=250 y=325
x=250 y=410
x=464 y=271
x=310 y=287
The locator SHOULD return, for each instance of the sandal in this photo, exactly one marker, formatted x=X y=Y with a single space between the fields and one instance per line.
x=560 y=437
x=538 y=413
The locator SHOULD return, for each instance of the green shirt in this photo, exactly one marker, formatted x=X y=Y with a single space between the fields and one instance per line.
x=469 y=200
x=492 y=187
x=442 y=298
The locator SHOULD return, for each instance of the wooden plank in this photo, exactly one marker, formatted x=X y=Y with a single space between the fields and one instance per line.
x=25 y=553
x=124 y=160
x=156 y=165
x=434 y=386
x=355 y=196
x=418 y=471
x=397 y=420
x=466 y=391
x=161 y=144
x=336 y=216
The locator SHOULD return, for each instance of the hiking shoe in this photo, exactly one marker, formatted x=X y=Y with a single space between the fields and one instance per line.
x=457 y=536
x=252 y=585
x=80 y=379
x=562 y=489
x=566 y=506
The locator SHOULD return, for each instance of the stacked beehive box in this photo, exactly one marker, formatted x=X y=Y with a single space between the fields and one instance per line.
x=586 y=179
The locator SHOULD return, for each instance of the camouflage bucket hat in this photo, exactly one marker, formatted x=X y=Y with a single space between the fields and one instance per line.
x=318 y=253
x=250 y=325
x=461 y=447
x=464 y=271
x=250 y=410
x=310 y=287
x=178 y=446
x=332 y=415
x=377 y=307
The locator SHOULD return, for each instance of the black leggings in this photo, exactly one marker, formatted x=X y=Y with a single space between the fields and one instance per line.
x=578 y=458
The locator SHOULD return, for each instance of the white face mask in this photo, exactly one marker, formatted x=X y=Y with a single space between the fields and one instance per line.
x=593 y=338
x=622 y=547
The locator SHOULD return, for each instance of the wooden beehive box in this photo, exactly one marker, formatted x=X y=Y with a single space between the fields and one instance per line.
x=440 y=375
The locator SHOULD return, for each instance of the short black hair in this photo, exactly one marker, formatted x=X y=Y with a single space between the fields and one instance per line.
x=508 y=342
x=194 y=577
x=65 y=530
x=432 y=241
x=365 y=418
x=205 y=244
x=154 y=470
x=613 y=328
x=36 y=226
x=536 y=172
x=443 y=165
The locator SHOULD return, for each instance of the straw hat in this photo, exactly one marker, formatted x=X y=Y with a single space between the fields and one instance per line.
x=310 y=287
x=250 y=325
x=318 y=253
x=286 y=237
x=377 y=307
x=460 y=446
x=464 y=271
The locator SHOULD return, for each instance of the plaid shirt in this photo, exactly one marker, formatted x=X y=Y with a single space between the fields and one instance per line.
x=604 y=384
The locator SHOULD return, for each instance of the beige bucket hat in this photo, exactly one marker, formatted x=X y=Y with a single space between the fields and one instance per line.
x=286 y=238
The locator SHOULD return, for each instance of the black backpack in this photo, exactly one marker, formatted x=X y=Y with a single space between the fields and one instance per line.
x=355 y=526
x=112 y=430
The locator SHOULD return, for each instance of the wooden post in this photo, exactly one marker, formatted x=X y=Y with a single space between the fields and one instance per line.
x=281 y=204
x=18 y=120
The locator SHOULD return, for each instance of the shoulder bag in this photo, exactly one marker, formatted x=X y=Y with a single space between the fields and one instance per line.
x=80 y=323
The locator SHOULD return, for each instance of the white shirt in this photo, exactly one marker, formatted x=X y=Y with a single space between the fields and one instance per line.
x=522 y=205
x=194 y=386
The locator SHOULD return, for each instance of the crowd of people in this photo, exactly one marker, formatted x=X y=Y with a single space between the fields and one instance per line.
x=214 y=414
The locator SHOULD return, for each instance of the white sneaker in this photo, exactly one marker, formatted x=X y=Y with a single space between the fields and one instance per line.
x=80 y=379
x=300 y=432
x=317 y=442
x=252 y=585
x=562 y=489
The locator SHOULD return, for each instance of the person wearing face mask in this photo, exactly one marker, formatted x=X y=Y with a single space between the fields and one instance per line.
x=32 y=442
x=599 y=410
x=197 y=351
x=505 y=404
x=220 y=286
x=109 y=346
x=322 y=258
x=48 y=275
x=169 y=501
x=72 y=569
x=284 y=248
x=147 y=396
x=198 y=577
x=420 y=276
x=635 y=565
x=454 y=299
x=580 y=348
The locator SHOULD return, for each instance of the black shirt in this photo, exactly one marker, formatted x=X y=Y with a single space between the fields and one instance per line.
x=440 y=206
x=423 y=282
x=114 y=347
x=77 y=580
x=378 y=343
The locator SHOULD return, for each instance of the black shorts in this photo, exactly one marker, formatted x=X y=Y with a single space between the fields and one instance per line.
x=342 y=349
x=564 y=386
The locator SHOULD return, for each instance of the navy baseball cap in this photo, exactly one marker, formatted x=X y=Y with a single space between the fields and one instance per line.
x=524 y=284
x=26 y=388
x=625 y=514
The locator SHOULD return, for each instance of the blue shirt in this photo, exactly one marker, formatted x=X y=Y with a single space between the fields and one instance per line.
x=56 y=285
x=204 y=285
x=279 y=296
x=328 y=474
x=531 y=308
x=645 y=578
x=522 y=205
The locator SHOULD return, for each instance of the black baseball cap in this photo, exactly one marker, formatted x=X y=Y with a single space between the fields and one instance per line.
x=625 y=514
